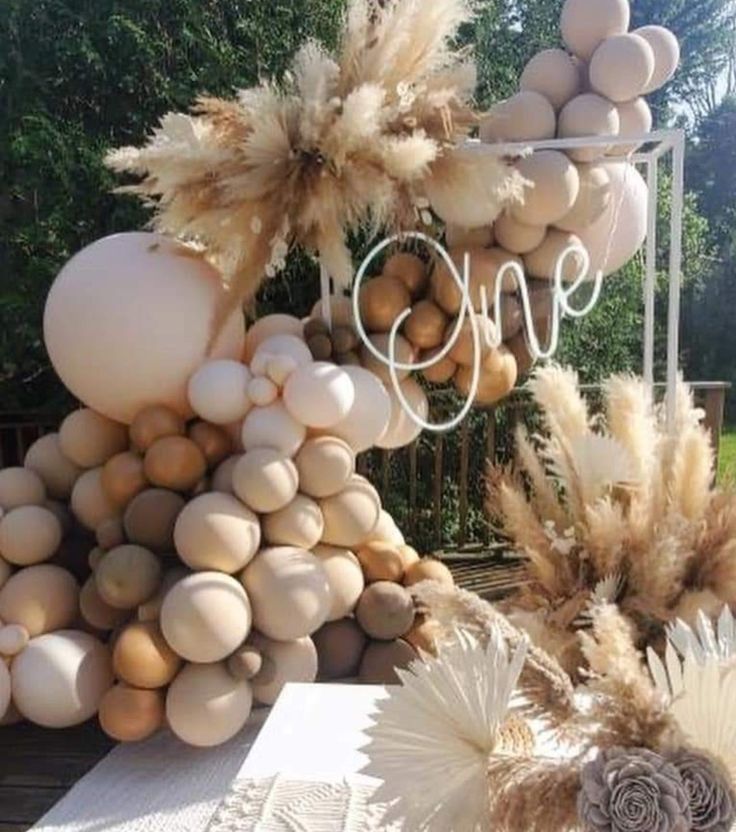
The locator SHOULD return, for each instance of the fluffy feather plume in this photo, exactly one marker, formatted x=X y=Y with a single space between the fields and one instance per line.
x=354 y=140
x=614 y=494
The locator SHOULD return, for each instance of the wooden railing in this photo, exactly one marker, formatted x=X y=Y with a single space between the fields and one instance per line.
x=435 y=487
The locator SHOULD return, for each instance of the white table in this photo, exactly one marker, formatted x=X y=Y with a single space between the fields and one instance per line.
x=160 y=785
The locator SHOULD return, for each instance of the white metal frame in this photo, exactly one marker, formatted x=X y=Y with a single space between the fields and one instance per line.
x=658 y=145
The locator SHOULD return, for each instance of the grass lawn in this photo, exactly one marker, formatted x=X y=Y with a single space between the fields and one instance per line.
x=727 y=460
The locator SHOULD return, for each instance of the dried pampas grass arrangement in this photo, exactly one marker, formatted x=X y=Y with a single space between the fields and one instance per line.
x=368 y=137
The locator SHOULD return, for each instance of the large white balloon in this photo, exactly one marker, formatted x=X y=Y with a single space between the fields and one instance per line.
x=368 y=418
x=402 y=429
x=128 y=320
x=218 y=391
x=59 y=679
x=622 y=228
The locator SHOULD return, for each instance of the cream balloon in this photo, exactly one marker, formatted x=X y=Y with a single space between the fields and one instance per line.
x=666 y=49
x=526 y=116
x=127 y=576
x=267 y=326
x=553 y=74
x=588 y=115
x=516 y=236
x=586 y=23
x=89 y=439
x=319 y=395
x=387 y=530
x=404 y=354
x=60 y=678
x=206 y=706
x=265 y=480
x=89 y=502
x=218 y=391
x=622 y=67
x=352 y=515
x=46 y=459
x=40 y=598
x=345 y=577
x=206 y=616
x=29 y=534
x=20 y=487
x=216 y=531
x=284 y=662
x=635 y=119
x=289 y=591
x=402 y=429
x=367 y=420
x=128 y=320
x=325 y=465
x=273 y=427
x=542 y=262
x=593 y=198
x=279 y=345
x=222 y=479
x=554 y=186
x=298 y=524
x=621 y=230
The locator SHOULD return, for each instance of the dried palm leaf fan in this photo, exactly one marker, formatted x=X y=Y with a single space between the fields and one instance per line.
x=363 y=138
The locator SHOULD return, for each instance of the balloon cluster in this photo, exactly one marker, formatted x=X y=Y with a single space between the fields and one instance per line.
x=590 y=196
x=232 y=545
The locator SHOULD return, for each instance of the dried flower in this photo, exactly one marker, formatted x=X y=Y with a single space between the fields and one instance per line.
x=711 y=795
x=633 y=790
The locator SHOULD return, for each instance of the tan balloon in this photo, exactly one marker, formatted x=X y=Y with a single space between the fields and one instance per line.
x=526 y=116
x=212 y=440
x=142 y=657
x=484 y=270
x=123 y=477
x=381 y=561
x=340 y=645
x=382 y=300
x=519 y=348
x=155 y=422
x=284 y=662
x=325 y=465
x=40 y=598
x=498 y=374
x=96 y=611
x=206 y=706
x=402 y=429
x=458 y=237
x=298 y=524
x=5 y=572
x=89 y=439
x=409 y=269
x=89 y=501
x=635 y=119
x=382 y=658
x=385 y=610
x=586 y=23
x=593 y=199
x=404 y=353
x=289 y=591
x=622 y=67
x=20 y=487
x=666 y=51
x=409 y=555
x=128 y=714
x=428 y=569
x=541 y=263
x=150 y=518
x=60 y=678
x=345 y=577
x=174 y=462
x=206 y=616
x=516 y=236
x=265 y=480
x=29 y=534
x=267 y=326
x=463 y=350
x=424 y=635
x=554 y=188
x=58 y=473
x=216 y=531
x=352 y=514
x=553 y=74
x=441 y=371
x=127 y=576
x=425 y=327
x=141 y=305
x=273 y=427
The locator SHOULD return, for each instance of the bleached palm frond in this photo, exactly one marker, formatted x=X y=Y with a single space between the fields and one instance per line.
x=432 y=737
x=706 y=641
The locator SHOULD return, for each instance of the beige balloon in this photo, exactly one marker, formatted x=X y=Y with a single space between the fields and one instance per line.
x=284 y=662
x=6 y=571
x=516 y=236
x=127 y=576
x=289 y=591
x=20 y=487
x=89 y=502
x=402 y=429
x=666 y=51
x=385 y=611
x=635 y=119
x=29 y=534
x=345 y=577
x=96 y=611
x=58 y=473
x=265 y=480
x=150 y=518
x=526 y=116
x=387 y=530
x=352 y=514
x=586 y=24
x=554 y=188
x=458 y=237
x=267 y=326
x=206 y=616
x=273 y=427
x=206 y=706
x=298 y=524
x=404 y=353
x=588 y=115
x=593 y=199
x=40 y=598
x=622 y=67
x=367 y=419
x=142 y=304
x=553 y=74
x=60 y=678
x=222 y=479
x=216 y=531
x=341 y=309
x=542 y=262
x=319 y=395
x=325 y=465
x=89 y=439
